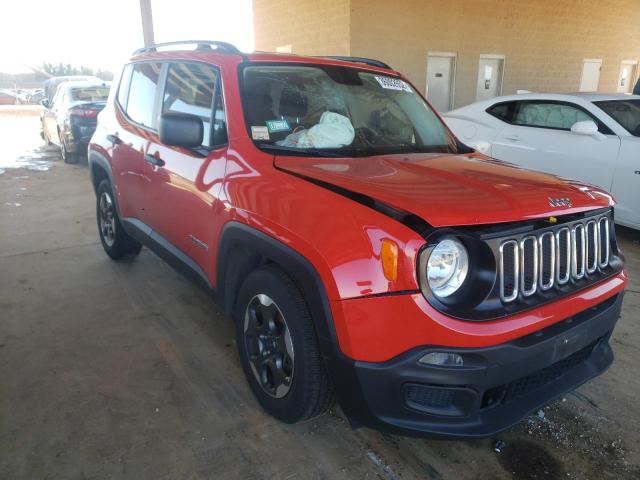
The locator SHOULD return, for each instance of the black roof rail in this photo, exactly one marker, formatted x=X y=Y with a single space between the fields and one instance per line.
x=367 y=61
x=221 y=47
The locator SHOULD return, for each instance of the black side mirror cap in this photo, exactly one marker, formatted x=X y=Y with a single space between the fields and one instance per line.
x=181 y=130
x=45 y=103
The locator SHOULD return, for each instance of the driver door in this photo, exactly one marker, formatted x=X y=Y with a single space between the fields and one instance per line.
x=539 y=137
x=184 y=185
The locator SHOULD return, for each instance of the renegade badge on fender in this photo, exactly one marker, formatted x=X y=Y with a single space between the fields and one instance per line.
x=363 y=252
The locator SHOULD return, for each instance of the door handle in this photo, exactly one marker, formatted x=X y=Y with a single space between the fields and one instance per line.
x=513 y=138
x=154 y=160
x=114 y=139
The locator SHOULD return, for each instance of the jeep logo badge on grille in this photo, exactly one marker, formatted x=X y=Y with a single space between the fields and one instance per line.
x=560 y=202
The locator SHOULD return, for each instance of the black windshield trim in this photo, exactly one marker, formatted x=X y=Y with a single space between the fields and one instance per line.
x=350 y=152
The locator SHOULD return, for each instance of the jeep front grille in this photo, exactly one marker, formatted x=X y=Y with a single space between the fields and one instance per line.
x=540 y=261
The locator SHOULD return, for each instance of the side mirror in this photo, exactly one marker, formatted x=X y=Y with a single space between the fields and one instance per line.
x=45 y=103
x=587 y=127
x=181 y=130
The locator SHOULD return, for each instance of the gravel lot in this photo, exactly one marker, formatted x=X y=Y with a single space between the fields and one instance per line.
x=127 y=370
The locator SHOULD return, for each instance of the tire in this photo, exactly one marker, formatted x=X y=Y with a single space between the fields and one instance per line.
x=67 y=156
x=284 y=327
x=45 y=137
x=115 y=241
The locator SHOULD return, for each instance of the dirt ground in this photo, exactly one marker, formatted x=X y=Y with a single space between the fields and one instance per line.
x=127 y=370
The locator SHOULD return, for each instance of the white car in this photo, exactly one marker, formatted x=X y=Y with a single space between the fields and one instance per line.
x=594 y=138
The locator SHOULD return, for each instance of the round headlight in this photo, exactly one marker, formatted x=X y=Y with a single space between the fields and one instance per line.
x=447 y=267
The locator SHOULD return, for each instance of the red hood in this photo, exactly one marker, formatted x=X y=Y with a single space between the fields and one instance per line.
x=449 y=190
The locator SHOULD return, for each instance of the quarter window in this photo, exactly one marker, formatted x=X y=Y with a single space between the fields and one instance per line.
x=57 y=99
x=190 y=89
x=142 y=93
x=123 y=89
x=219 y=120
x=502 y=111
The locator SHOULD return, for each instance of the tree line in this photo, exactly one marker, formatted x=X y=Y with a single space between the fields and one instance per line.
x=62 y=69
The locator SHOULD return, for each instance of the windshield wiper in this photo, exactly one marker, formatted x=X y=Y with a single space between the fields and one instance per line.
x=319 y=152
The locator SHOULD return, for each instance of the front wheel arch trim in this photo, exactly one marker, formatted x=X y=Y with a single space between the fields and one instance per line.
x=263 y=247
x=341 y=368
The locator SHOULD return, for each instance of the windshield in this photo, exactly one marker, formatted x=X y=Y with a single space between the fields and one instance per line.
x=625 y=112
x=92 y=94
x=314 y=110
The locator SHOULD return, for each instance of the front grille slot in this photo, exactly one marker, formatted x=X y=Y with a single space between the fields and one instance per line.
x=540 y=261
x=577 y=252
x=509 y=270
x=592 y=247
x=603 y=232
x=563 y=251
x=547 y=254
x=529 y=265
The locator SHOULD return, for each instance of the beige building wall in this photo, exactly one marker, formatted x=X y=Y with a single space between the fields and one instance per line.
x=544 y=41
x=311 y=27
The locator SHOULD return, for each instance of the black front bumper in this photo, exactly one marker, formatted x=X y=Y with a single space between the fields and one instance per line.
x=495 y=389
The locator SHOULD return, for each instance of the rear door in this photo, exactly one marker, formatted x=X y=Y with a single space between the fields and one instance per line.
x=184 y=189
x=538 y=136
x=136 y=117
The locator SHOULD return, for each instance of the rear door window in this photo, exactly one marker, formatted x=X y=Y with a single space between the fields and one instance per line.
x=190 y=89
x=142 y=93
x=559 y=116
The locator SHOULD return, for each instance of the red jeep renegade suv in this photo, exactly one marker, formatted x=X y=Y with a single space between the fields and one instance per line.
x=362 y=250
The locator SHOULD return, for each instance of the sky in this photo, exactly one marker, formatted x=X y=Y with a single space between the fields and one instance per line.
x=102 y=34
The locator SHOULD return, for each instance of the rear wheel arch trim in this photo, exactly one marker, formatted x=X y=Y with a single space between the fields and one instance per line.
x=299 y=268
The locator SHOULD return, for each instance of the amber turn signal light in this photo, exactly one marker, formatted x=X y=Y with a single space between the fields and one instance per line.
x=389 y=258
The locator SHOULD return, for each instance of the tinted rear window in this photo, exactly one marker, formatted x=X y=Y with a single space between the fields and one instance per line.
x=93 y=94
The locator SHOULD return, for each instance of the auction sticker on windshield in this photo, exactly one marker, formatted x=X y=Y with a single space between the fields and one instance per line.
x=391 y=83
x=259 y=133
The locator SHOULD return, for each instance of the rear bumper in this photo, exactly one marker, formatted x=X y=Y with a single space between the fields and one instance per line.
x=495 y=389
x=78 y=136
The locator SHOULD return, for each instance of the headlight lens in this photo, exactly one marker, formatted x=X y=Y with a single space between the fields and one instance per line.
x=447 y=267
